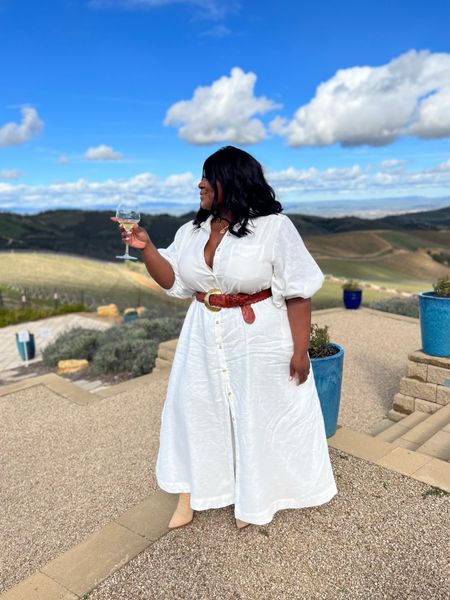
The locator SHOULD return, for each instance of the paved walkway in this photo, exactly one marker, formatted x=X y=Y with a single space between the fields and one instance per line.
x=68 y=470
x=45 y=331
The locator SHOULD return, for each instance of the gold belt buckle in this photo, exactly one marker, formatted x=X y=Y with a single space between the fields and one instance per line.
x=206 y=299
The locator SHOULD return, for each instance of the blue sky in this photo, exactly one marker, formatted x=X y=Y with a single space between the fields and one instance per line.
x=103 y=98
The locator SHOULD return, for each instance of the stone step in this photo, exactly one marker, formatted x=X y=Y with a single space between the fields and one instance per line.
x=395 y=416
x=169 y=344
x=102 y=387
x=89 y=385
x=380 y=426
x=437 y=445
x=440 y=417
x=401 y=443
x=162 y=364
x=397 y=430
x=166 y=353
x=431 y=425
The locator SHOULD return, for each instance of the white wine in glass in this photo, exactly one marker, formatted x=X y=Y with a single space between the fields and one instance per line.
x=128 y=216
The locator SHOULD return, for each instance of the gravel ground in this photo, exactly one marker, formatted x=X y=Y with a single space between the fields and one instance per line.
x=67 y=470
x=378 y=538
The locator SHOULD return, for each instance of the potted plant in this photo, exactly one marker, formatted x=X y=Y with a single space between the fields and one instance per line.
x=130 y=314
x=352 y=293
x=327 y=359
x=434 y=316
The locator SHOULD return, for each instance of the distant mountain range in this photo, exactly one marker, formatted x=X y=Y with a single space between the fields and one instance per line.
x=370 y=208
x=366 y=208
x=438 y=219
x=93 y=234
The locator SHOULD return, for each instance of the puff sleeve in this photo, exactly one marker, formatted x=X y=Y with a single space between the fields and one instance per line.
x=171 y=254
x=295 y=273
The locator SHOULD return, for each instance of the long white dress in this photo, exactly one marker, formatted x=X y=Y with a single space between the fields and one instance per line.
x=234 y=429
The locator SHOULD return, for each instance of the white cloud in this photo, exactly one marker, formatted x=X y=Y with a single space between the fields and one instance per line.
x=392 y=163
x=183 y=180
x=376 y=105
x=222 y=112
x=63 y=160
x=102 y=152
x=433 y=114
x=10 y=174
x=445 y=166
x=355 y=179
x=209 y=9
x=13 y=134
x=217 y=31
x=147 y=188
x=181 y=188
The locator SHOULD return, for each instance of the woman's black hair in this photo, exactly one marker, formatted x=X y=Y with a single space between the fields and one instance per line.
x=246 y=193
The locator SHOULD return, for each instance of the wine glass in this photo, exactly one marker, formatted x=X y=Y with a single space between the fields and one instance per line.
x=128 y=216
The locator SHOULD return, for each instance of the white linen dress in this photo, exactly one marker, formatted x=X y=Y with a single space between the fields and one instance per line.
x=234 y=429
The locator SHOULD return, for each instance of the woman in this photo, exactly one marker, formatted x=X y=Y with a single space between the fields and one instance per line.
x=242 y=422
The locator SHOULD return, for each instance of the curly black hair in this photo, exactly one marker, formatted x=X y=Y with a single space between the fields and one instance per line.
x=246 y=193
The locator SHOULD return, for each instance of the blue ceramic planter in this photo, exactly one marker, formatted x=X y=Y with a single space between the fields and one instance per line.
x=352 y=298
x=27 y=350
x=328 y=378
x=434 y=315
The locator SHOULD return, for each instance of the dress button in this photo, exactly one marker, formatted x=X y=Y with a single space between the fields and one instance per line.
x=217 y=322
x=224 y=370
x=229 y=393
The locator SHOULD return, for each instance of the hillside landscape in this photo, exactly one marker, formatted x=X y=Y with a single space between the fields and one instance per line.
x=93 y=234
x=74 y=252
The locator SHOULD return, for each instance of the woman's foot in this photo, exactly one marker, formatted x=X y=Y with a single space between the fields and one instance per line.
x=183 y=513
x=241 y=524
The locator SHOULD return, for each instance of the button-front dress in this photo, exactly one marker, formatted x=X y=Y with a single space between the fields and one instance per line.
x=234 y=429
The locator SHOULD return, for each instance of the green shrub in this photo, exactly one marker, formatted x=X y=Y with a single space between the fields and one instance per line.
x=127 y=348
x=121 y=333
x=441 y=257
x=75 y=343
x=442 y=287
x=319 y=341
x=162 y=328
x=400 y=306
x=352 y=285
x=132 y=347
x=133 y=356
x=12 y=316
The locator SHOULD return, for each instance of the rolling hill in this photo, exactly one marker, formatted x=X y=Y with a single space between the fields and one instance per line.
x=92 y=234
x=407 y=252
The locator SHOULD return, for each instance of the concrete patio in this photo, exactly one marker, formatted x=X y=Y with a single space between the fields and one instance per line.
x=84 y=517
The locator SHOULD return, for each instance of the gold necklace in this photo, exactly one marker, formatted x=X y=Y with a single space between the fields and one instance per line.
x=226 y=226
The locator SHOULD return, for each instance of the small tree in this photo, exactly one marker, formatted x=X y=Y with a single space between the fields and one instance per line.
x=352 y=285
x=319 y=342
x=442 y=287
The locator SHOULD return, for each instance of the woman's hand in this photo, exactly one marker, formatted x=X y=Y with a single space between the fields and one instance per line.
x=300 y=364
x=136 y=238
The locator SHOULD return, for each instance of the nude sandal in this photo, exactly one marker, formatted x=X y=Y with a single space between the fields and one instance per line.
x=183 y=513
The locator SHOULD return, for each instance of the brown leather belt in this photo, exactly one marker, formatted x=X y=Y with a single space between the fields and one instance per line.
x=214 y=299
